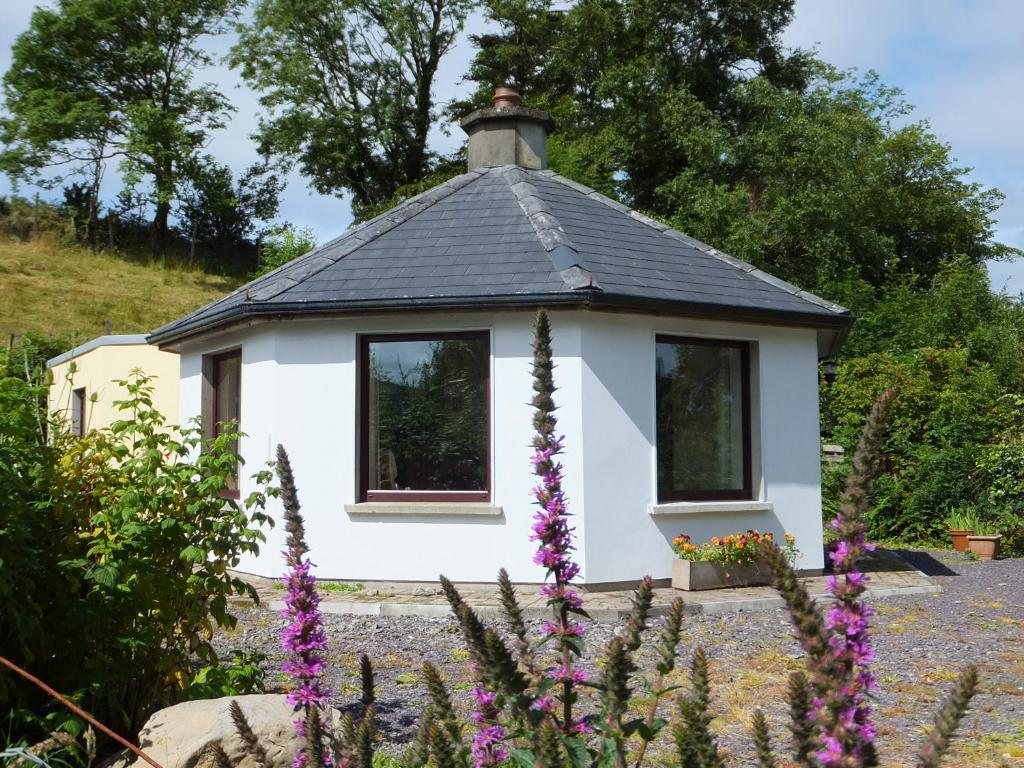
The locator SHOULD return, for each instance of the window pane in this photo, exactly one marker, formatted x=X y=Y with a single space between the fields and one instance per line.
x=427 y=416
x=700 y=417
x=78 y=412
x=227 y=390
x=227 y=399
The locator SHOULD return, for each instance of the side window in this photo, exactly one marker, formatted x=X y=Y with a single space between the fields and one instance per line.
x=222 y=398
x=425 y=417
x=703 y=419
x=78 y=412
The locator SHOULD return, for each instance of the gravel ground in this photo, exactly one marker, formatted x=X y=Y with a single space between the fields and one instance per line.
x=921 y=643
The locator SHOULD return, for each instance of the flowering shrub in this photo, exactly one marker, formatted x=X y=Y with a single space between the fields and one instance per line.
x=742 y=548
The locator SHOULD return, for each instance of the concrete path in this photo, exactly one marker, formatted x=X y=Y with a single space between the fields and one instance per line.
x=890 y=576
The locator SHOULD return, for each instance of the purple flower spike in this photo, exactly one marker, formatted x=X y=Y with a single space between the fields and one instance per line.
x=303 y=636
x=847 y=732
x=552 y=532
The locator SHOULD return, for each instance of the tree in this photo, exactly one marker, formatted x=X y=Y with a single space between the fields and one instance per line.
x=348 y=87
x=218 y=212
x=819 y=186
x=282 y=244
x=609 y=65
x=697 y=113
x=93 y=80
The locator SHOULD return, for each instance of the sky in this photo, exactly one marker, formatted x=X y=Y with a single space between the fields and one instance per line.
x=960 y=62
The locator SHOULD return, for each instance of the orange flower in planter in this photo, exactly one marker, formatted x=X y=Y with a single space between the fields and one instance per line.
x=731 y=548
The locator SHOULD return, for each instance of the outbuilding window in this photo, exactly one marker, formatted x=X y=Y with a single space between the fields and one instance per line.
x=78 y=401
x=425 y=417
x=222 y=400
x=703 y=419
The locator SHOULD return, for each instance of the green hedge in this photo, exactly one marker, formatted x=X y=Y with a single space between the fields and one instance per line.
x=951 y=443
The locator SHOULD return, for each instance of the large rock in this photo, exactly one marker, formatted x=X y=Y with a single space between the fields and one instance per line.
x=176 y=737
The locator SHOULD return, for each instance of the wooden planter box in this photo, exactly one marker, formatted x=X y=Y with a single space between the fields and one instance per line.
x=691 y=575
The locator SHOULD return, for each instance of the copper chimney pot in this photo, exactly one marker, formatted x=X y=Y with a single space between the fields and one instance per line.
x=506 y=98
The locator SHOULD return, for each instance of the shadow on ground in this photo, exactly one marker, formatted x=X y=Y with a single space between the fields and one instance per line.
x=925 y=562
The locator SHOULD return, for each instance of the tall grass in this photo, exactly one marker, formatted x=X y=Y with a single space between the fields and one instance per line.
x=50 y=288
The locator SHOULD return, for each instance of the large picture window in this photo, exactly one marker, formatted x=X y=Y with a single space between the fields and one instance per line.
x=703 y=419
x=425 y=417
x=222 y=403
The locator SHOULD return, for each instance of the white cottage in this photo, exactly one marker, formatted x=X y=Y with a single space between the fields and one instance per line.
x=394 y=365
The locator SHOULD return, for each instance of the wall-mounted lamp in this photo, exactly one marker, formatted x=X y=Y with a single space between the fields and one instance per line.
x=829 y=369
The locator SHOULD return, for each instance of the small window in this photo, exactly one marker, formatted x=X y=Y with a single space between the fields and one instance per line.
x=425 y=417
x=78 y=401
x=222 y=403
x=703 y=419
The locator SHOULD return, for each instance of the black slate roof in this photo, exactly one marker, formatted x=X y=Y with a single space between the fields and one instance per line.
x=507 y=236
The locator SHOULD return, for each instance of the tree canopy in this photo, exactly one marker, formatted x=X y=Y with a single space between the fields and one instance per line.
x=92 y=80
x=698 y=114
x=349 y=87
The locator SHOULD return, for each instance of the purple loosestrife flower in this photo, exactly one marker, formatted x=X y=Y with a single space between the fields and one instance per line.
x=575 y=674
x=488 y=746
x=489 y=742
x=847 y=733
x=551 y=529
x=303 y=636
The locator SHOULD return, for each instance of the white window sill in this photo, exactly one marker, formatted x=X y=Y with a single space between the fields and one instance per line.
x=434 y=508
x=705 y=507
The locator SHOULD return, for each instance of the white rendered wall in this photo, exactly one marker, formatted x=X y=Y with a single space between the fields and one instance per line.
x=299 y=389
x=624 y=541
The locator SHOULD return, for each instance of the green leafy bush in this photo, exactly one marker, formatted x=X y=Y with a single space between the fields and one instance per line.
x=28 y=560
x=944 y=419
x=243 y=673
x=282 y=245
x=1002 y=467
x=115 y=550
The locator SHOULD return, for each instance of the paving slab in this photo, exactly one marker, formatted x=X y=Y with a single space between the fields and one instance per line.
x=890 y=576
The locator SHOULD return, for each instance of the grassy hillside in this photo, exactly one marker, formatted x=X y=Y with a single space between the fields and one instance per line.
x=68 y=292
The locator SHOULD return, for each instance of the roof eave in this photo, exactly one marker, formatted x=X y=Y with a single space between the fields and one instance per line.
x=838 y=323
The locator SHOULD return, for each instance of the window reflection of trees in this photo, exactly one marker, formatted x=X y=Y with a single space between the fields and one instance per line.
x=699 y=417
x=428 y=415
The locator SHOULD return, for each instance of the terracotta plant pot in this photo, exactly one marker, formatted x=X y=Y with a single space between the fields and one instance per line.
x=959 y=537
x=984 y=547
x=692 y=575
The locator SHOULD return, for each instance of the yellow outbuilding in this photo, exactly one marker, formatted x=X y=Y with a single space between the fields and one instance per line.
x=83 y=386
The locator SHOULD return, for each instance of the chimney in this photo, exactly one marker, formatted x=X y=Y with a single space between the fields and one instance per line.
x=507 y=134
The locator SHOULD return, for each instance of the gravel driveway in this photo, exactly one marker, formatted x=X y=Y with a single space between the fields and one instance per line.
x=921 y=643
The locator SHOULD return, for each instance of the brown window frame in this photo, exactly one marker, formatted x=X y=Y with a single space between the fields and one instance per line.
x=79 y=398
x=211 y=366
x=363 y=413
x=746 y=493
